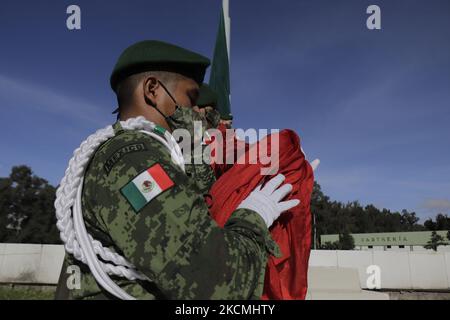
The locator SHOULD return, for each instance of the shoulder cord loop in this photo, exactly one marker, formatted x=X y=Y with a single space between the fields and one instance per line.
x=77 y=241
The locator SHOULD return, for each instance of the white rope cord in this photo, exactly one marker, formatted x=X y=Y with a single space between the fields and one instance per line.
x=69 y=213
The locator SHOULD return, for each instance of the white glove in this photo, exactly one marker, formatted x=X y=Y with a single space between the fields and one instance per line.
x=267 y=201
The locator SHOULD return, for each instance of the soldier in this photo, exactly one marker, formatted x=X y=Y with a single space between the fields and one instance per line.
x=207 y=107
x=139 y=203
x=201 y=172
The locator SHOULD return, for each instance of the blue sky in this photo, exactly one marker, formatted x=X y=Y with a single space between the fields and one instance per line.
x=374 y=106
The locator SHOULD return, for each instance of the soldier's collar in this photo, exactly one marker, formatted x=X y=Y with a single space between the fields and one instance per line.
x=117 y=127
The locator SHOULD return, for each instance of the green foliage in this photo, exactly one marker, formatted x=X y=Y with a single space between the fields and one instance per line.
x=333 y=217
x=27 y=214
x=330 y=245
x=435 y=241
x=345 y=242
x=26 y=293
x=442 y=223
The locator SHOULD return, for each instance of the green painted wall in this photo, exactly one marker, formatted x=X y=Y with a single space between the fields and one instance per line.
x=418 y=238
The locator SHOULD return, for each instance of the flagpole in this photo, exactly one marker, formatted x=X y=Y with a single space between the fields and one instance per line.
x=219 y=78
x=227 y=20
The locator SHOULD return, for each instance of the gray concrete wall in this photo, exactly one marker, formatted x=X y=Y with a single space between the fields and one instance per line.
x=30 y=263
x=398 y=269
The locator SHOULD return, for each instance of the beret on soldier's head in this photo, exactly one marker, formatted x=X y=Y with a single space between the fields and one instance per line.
x=153 y=55
x=207 y=96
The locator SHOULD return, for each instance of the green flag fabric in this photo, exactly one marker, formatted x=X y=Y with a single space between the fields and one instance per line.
x=219 y=79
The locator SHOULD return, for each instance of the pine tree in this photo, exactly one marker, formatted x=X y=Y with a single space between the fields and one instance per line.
x=435 y=241
x=346 y=241
x=27 y=214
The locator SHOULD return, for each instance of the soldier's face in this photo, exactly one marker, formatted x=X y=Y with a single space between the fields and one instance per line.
x=185 y=92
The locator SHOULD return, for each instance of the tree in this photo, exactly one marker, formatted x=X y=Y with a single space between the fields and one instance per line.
x=333 y=217
x=27 y=214
x=442 y=223
x=346 y=241
x=330 y=245
x=430 y=224
x=435 y=241
x=409 y=220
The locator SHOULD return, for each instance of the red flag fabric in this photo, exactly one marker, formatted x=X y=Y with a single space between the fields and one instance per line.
x=286 y=277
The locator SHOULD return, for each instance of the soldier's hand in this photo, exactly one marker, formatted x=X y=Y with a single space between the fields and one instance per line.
x=267 y=201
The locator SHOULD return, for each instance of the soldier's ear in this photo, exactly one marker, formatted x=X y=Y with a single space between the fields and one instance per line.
x=151 y=86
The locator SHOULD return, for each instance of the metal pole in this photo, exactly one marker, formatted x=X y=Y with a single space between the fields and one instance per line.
x=315 y=231
x=227 y=20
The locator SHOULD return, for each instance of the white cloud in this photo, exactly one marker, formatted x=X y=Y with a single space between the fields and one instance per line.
x=31 y=95
x=437 y=204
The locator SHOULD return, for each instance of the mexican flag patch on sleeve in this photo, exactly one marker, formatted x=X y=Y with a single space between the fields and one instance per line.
x=146 y=186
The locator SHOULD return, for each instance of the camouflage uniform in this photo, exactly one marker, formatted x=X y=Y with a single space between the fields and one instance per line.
x=172 y=239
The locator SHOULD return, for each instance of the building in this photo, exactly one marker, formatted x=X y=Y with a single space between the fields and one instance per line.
x=413 y=241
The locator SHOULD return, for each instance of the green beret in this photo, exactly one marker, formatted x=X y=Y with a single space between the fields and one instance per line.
x=153 y=55
x=207 y=96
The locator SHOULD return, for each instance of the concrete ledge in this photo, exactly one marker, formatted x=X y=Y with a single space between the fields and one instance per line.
x=423 y=270
x=331 y=283
x=358 y=260
x=348 y=295
x=395 y=269
x=41 y=264
x=428 y=270
x=323 y=258
x=30 y=263
x=332 y=278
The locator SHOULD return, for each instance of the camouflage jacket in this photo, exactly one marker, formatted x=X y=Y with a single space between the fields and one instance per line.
x=169 y=236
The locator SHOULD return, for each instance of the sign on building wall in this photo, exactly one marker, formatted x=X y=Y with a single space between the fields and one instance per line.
x=418 y=238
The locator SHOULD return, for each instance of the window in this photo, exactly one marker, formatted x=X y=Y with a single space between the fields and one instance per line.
x=388 y=247
x=401 y=247
x=370 y=247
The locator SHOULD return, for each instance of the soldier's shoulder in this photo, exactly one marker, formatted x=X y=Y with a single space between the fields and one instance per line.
x=135 y=139
x=128 y=146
